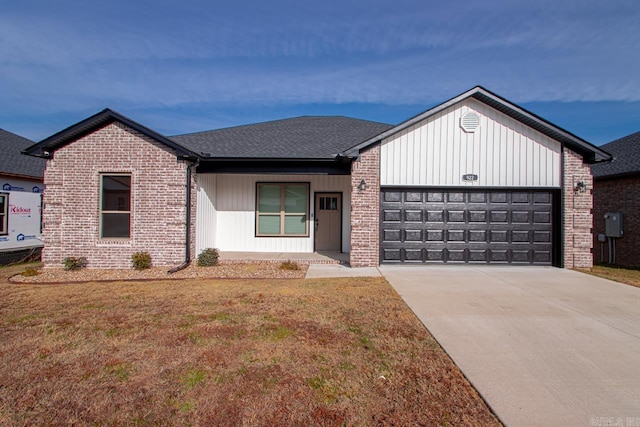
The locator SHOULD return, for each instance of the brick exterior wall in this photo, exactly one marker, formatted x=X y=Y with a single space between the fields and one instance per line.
x=618 y=195
x=365 y=210
x=71 y=214
x=577 y=218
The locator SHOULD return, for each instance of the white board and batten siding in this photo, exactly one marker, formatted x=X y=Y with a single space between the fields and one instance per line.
x=226 y=217
x=502 y=152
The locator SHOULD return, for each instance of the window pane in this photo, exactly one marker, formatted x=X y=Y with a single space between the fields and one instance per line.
x=3 y=214
x=295 y=224
x=269 y=198
x=295 y=198
x=269 y=224
x=116 y=193
x=321 y=203
x=115 y=224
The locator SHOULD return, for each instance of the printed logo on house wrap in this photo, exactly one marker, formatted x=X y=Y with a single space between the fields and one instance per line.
x=9 y=187
x=36 y=189
x=19 y=210
x=21 y=237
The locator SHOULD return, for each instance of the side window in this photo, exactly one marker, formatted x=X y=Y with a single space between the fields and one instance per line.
x=4 y=213
x=115 y=206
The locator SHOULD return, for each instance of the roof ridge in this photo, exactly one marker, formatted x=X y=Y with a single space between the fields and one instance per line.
x=228 y=127
x=273 y=121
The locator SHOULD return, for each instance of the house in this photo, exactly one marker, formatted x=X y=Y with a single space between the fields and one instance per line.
x=617 y=189
x=17 y=171
x=21 y=178
x=476 y=179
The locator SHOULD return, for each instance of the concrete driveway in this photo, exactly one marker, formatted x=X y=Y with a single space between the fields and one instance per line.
x=543 y=346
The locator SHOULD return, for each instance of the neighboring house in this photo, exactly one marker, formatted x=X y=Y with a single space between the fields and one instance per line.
x=20 y=177
x=617 y=189
x=17 y=171
x=476 y=179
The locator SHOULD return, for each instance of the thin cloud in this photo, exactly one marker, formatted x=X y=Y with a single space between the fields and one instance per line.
x=62 y=57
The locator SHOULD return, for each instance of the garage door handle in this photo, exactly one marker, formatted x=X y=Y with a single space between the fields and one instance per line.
x=316 y=225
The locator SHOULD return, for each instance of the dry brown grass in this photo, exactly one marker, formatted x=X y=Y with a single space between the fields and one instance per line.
x=224 y=352
x=630 y=276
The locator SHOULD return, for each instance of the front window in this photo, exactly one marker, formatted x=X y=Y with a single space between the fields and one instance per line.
x=282 y=209
x=115 y=206
x=4 y=213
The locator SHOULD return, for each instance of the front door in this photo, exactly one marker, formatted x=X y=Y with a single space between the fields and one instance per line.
x=328 y=221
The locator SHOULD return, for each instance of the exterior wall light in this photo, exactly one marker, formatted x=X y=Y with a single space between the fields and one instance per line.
x=581 y=187
x=362 y=186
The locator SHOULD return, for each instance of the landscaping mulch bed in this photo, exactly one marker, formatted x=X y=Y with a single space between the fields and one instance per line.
x=263 y=270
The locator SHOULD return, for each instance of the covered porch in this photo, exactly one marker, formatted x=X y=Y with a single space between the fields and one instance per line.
x=235 y=257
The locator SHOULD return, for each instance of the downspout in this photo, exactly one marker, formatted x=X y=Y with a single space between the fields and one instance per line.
x=187 y=239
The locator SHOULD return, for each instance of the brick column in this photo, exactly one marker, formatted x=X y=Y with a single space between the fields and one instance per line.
x=54 y=194
x=365 y=210
x=577 y=218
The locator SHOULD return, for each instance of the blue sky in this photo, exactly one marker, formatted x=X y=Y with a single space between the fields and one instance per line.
x=186 y=66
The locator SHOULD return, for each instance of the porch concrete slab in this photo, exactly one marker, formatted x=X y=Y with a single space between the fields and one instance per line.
x=336 y=270
x=311 y=257
x=543 y=346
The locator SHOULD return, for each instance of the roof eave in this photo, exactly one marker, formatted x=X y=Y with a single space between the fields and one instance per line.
x=23 y=176
x=590 y=152
x=617 y=175
x=47 y=146
x=273 y=159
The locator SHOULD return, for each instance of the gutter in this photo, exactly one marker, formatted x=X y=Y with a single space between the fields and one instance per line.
x=187 y=249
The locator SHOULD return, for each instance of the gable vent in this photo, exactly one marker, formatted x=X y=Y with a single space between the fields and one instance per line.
x=469 y=122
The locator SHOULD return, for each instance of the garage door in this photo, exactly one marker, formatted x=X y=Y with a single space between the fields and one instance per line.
x=467 y=226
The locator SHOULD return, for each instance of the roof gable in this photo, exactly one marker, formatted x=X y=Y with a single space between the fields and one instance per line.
x=626 y=158
x=305 y=137
x=589 y=151
x=13 y=162
x=47 y=146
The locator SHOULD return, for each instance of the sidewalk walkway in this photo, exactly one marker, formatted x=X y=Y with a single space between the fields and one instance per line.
x=336 y=270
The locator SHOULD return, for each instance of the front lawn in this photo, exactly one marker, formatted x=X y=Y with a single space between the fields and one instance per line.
x=224 y=352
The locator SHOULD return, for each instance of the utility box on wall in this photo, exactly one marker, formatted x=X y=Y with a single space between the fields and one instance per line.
x=613 y=224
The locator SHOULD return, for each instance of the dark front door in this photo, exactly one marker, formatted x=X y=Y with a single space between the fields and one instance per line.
x=328 y=221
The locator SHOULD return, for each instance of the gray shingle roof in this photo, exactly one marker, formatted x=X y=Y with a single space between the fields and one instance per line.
x=306 y=137
x=626 y=157
x=13 y=162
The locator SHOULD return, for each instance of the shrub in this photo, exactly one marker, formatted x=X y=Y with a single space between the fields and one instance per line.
x=289 y=265
x=208 y=257
x=30 y=271
x=141 y=260
x=72 y=263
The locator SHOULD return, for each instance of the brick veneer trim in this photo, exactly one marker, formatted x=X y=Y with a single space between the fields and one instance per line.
x=365 y=209
x=71 y=214
x=577 y=218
